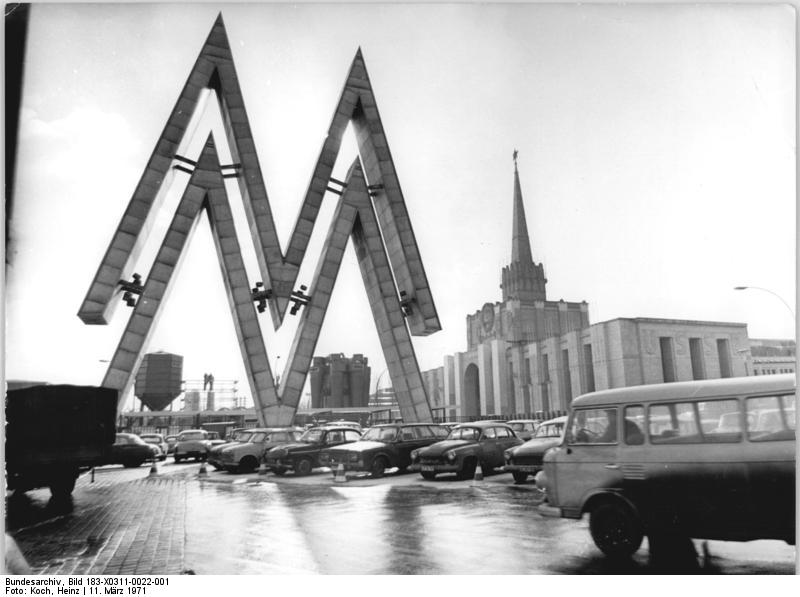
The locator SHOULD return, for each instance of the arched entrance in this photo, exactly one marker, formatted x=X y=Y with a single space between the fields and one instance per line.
x=472 y=397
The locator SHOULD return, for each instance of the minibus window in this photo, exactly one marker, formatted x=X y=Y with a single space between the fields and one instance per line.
x=721 y=420
x=634 y=423
x=769 y=420
x=594 y=426
x=673 y=423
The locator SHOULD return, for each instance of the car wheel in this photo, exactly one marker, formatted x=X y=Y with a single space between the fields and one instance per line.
x=468 y=469
x=429 y=475
x=177 y=459
x=519 y=477
x=379 y=466
x=303 y=467
x=278 y=471
x=247 y=464
x=615 y=529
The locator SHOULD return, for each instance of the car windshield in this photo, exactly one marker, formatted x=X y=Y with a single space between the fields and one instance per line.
x=549 y=431
x=312 y=436
x=380 y=434
x=185 y=437
x=464 y=433
x=257 y=438
x=241 y=436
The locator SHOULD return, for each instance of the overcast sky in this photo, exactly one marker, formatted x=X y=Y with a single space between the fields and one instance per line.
x=656 y=155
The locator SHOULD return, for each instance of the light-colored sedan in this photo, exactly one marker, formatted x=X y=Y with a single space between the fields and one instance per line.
x=245 y=456
x=157 y=440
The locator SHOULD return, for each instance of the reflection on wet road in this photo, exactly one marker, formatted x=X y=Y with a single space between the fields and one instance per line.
x=259 y=528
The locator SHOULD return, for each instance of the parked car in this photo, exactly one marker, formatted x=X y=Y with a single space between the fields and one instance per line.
x=192 y=443
x=524 y=428
x=236 y=436
x=171 y=441
x=382 y=447
x=156 y=439
x=303 y=456
x=214 y=439
x=245 y=456
x=527 y=459
x=352 y=424
x=131 y=451
x=469 y=444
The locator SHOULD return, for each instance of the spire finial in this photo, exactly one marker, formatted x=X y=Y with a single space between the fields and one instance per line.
x=515 y=159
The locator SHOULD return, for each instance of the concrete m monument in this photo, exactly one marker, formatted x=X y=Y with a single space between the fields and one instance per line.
x=371 y=211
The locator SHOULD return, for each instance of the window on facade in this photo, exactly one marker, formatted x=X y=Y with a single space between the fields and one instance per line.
x=594 y=426
x=724 y=352
x=567 y=377
x=696 y=353
x=544 y=383
x=588 y=367
x=667 y=358
x=511 y=381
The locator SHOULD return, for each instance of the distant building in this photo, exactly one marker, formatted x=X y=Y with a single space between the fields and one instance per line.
x=770 y=357
x=339 y=382
x=528 y=355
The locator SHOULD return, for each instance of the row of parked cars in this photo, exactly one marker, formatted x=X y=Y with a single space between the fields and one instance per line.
x=430 y=449
x=132 y=450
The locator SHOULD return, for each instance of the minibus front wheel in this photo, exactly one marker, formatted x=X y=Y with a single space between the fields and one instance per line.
x=616 y=529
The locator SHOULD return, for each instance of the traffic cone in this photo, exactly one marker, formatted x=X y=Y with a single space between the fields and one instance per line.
x=153 y=470
x=478 y=473
x=202 y=472
x=340 y=476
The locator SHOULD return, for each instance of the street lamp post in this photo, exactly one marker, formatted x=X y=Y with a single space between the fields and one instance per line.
x=378 y=382
x=775 y=294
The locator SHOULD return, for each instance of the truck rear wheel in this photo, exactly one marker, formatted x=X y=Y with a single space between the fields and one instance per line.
x=61 y=485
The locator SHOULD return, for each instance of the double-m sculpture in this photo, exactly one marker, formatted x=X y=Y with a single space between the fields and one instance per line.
x=370 y=210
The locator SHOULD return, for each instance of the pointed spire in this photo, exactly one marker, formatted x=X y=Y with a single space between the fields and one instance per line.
x=520 y=242
x=522 y=279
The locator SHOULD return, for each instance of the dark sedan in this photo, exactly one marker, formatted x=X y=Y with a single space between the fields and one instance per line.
x=131 y=451
x=383 y=447
x=526 y=459
x=469 y=444
x=303 y=456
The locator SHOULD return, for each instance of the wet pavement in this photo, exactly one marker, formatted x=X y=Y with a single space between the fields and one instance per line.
x=128 y=522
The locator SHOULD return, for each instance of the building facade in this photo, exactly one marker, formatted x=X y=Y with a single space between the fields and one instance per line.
x=530 y=356
x=339 y=382
x=771 y=357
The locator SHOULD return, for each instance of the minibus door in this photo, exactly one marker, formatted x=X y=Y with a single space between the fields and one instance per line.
x=589 y=458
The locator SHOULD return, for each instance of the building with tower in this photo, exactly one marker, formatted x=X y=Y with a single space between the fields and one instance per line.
x=527 y=355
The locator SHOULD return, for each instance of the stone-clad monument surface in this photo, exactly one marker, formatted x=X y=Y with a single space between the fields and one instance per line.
x=371 y=211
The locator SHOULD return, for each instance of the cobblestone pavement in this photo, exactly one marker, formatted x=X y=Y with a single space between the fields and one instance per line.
x=128 y=522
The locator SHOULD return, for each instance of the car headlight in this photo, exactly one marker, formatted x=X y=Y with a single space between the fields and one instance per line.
x=507 y=454
x=277 y=453
x=414 y=454
x=353 y=457
x=450 y=455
